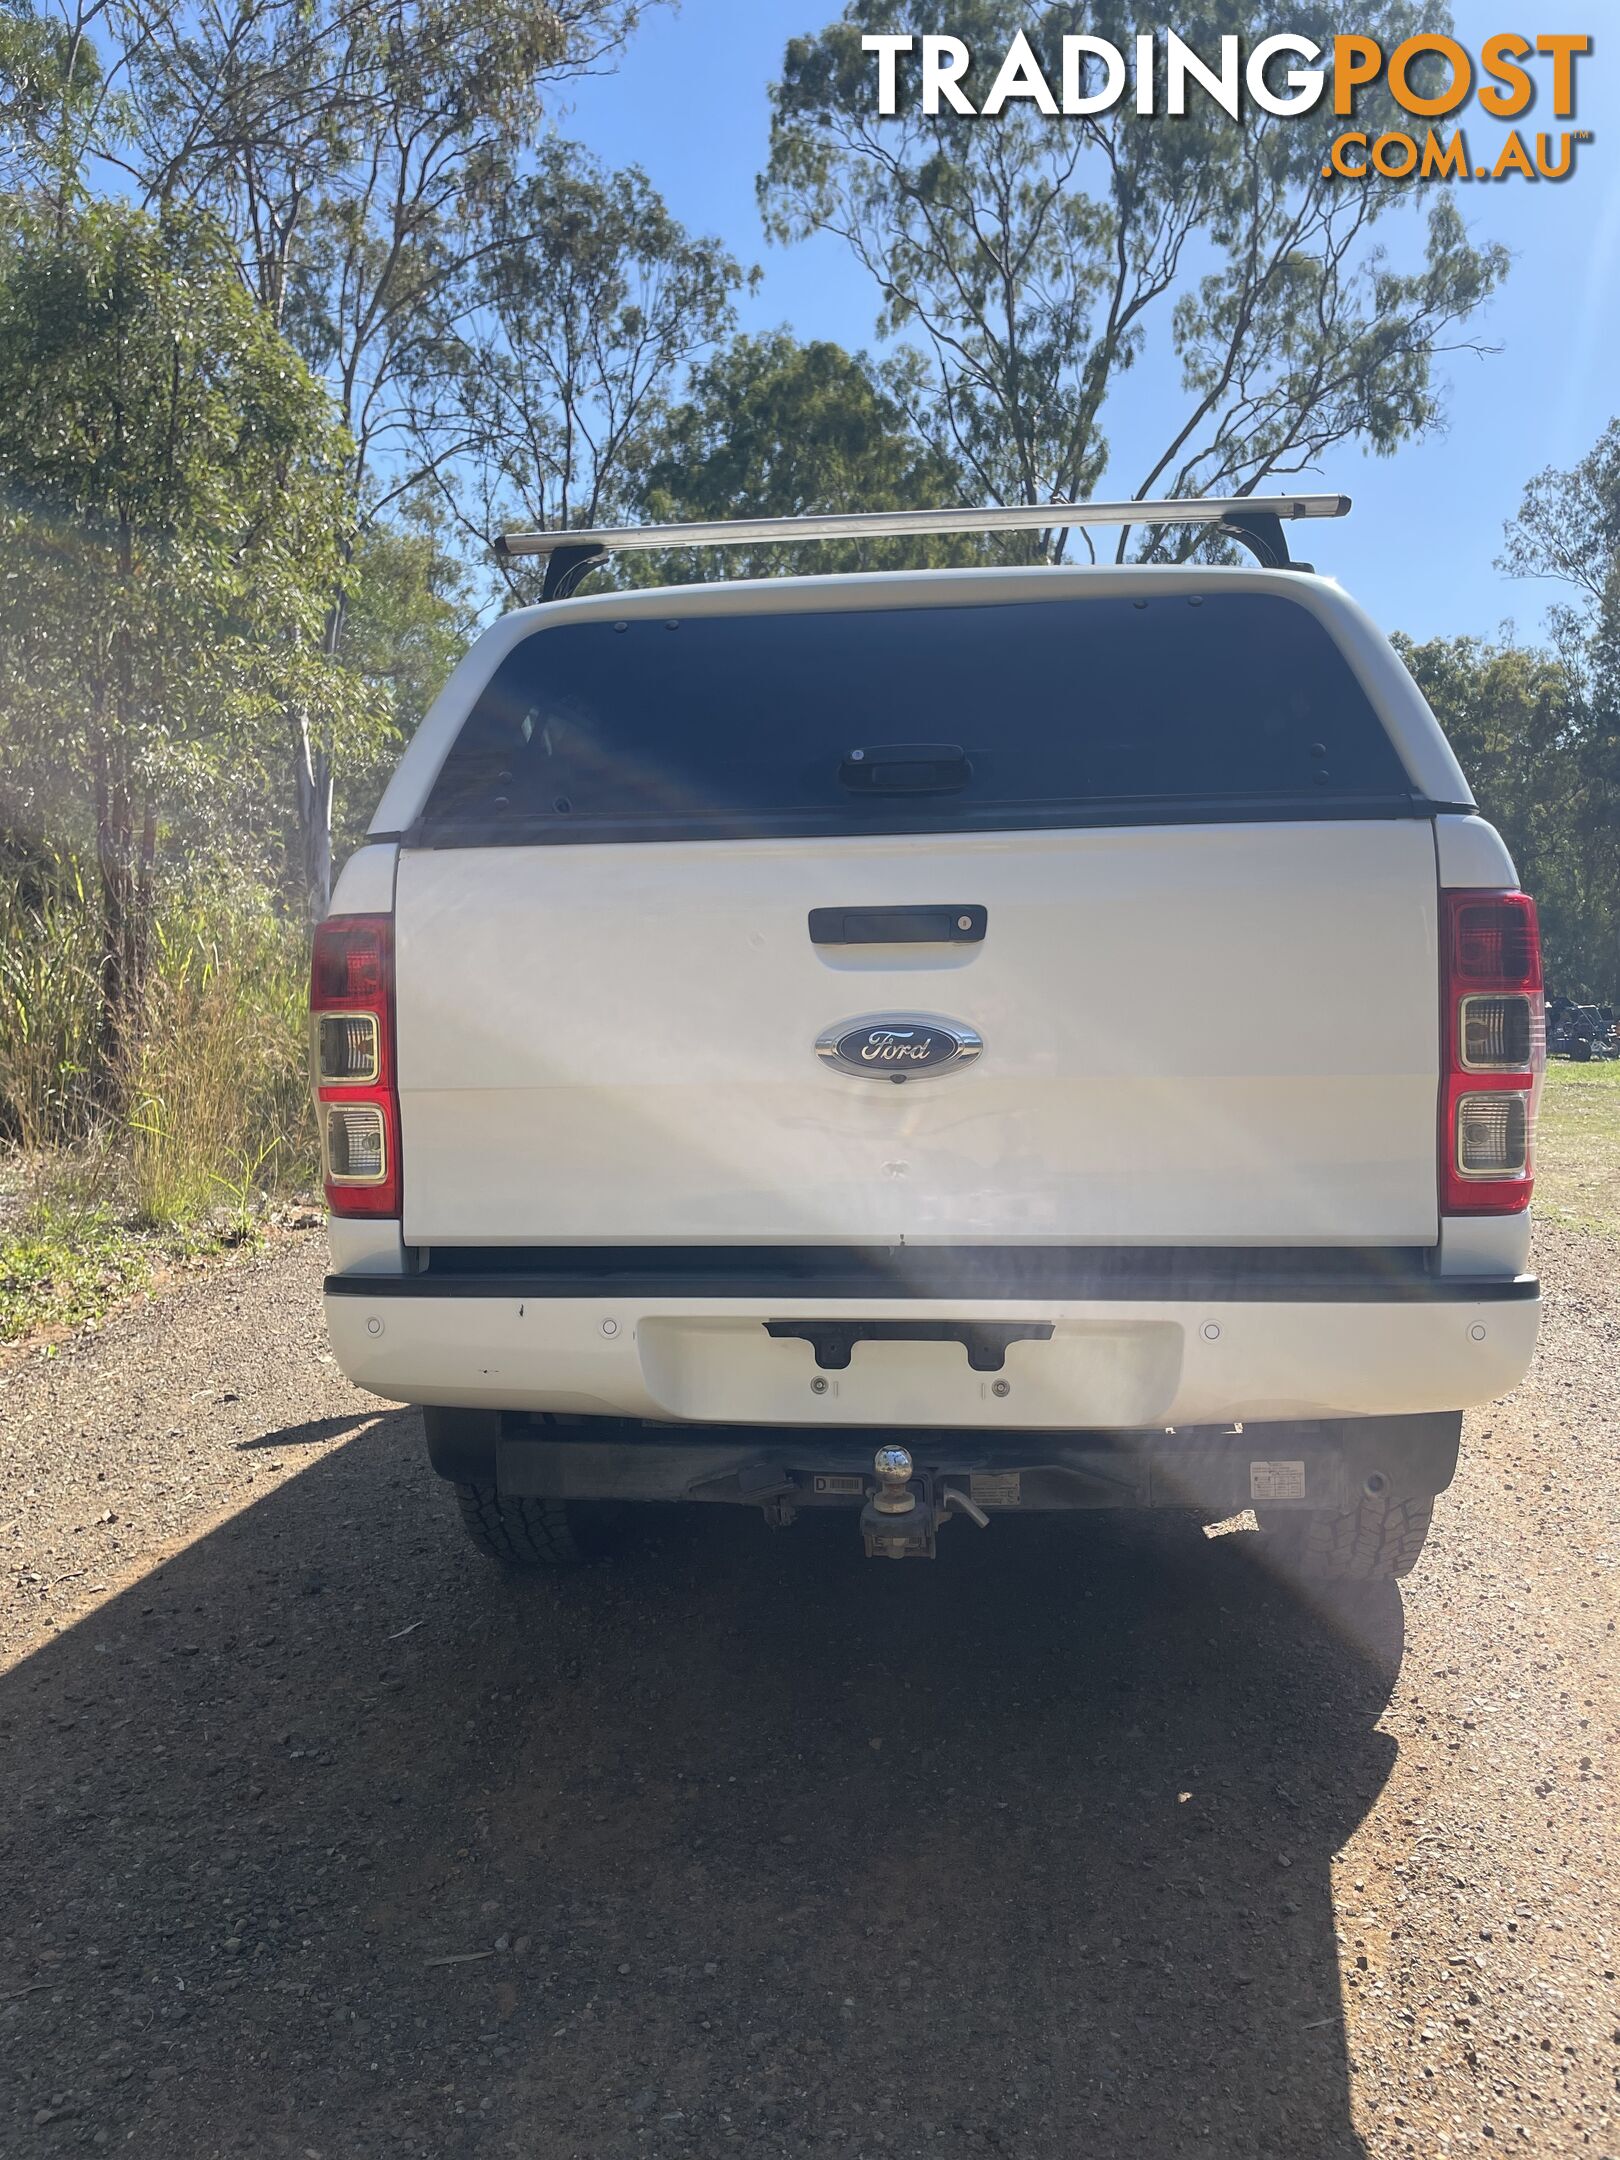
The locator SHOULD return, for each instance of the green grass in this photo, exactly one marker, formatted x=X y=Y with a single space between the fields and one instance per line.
x=1578 y=1148
x=62 y=1264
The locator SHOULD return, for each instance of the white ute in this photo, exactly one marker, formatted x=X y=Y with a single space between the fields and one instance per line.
x=965 y=1041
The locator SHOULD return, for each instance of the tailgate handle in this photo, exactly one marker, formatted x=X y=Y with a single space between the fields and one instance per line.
x=897 y=925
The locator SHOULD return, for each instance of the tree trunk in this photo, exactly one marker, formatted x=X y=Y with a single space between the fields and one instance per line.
x=109 y=1020
x=313 y=764
x=312 y=782
x=124 y=867
x=124 y=871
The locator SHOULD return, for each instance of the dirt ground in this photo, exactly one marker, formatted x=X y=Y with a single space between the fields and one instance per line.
x=323 y=1839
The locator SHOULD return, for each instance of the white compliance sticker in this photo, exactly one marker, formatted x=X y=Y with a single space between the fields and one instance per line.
x=994 y=1489
x=1276 y=1481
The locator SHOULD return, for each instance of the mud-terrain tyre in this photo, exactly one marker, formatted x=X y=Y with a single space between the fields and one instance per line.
x=1377 y=1540
x=525 y=1533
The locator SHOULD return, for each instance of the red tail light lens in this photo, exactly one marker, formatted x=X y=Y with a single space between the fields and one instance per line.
x=1493 y=1051
x=351 y=962
x=351 y=1003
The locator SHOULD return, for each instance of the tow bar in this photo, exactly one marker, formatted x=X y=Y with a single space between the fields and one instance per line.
x=899 y=1522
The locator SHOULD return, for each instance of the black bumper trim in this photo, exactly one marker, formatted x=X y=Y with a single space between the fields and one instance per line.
x=768 y=1275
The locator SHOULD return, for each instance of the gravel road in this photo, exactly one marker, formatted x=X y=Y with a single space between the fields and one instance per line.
x=323 y=1839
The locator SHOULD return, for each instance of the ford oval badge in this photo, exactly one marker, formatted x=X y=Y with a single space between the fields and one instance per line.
x=898 y=1046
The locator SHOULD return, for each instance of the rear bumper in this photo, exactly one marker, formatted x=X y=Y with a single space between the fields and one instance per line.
x=1108 y=1361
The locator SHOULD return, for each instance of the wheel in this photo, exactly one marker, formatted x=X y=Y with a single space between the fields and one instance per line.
x=1377 y=1540
x=523 y=1533
x=1581 y=1049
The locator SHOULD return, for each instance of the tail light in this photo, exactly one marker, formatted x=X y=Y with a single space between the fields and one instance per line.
x=351 y=1008
x=1493 y=1051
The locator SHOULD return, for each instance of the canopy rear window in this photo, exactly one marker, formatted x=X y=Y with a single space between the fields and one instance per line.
x=1037 y=714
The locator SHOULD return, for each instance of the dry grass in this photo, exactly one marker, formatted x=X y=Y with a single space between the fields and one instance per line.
x=213 y=1107
x=212 y=1122
x=47 y=1014
x=219 y=1109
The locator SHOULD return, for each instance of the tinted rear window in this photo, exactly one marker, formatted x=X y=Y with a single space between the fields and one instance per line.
x=1068 y=711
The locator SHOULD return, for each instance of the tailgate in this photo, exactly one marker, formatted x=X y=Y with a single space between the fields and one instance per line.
x=1191 y=1032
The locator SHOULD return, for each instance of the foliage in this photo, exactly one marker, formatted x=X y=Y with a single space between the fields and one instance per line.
x=348 y=148
x=215 y=1101
x=219 y=1106
x=216 y=1121
x=1521 y=726
x=589 y=301
x=406 y=622
x=1035 y=257
x=1568 y=530
x=775 y=428
x=50 y=83
x=49 y=1005
x=170 y=505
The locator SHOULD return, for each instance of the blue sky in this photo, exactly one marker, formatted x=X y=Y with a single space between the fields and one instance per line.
x=689 y=104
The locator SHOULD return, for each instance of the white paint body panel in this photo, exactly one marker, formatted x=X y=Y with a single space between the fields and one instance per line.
x=1193 y=1034
x=1106 y=1364
x=1472 y=855
x=366 y=884
x=366 y=1245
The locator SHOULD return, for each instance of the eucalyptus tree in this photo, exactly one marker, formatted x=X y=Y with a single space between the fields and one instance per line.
x=1035 y=260
x=772 y=427
x=51 y=91
x=1520 y=722
x=348 y=148
x=1567 y=531
x=587 y=305
x=171 y=496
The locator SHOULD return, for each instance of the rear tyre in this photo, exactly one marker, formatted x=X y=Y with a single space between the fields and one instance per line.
x=529 y=1534
x=1581 y=1049
x=1378 y=1540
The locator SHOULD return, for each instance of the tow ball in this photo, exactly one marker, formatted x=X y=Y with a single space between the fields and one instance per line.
x=900 y=1523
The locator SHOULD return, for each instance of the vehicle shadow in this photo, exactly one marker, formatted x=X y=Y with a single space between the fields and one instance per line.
x=326 y=1837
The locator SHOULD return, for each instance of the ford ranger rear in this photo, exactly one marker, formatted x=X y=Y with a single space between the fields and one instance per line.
x=962 y=1042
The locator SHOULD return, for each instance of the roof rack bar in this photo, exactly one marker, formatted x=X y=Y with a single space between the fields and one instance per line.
x=1254 y=520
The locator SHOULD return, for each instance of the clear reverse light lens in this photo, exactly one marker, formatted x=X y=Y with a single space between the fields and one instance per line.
x=348 y=1049
x=1492 y=1132
x=354 y=1144
x=1496 y=1034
